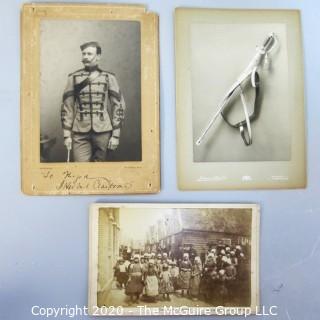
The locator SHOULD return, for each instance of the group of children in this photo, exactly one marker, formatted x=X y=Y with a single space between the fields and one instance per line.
x=153 y=276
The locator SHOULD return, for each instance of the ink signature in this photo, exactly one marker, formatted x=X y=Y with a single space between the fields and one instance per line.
x=72 y=182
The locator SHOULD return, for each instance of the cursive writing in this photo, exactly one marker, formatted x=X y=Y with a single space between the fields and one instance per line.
x=69 y=181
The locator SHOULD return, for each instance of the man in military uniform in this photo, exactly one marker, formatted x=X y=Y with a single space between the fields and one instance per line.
x=92 y=110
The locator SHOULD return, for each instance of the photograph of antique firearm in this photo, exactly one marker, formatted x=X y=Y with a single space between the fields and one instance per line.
x=249 y=76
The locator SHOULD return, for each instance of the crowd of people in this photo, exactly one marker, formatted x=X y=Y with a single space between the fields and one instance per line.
x=217 y=277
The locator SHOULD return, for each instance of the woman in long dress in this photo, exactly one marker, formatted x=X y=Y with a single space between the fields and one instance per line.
x=208 y=280
x=166 y=286
x=134 y=286
x=174 y=274
x=222 y=291
x=195 y=278
x=185 y=274
x=151 y=282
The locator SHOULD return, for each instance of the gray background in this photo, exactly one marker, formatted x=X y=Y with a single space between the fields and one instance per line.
x=44 y=240
x=61 y=55
x=219 y=54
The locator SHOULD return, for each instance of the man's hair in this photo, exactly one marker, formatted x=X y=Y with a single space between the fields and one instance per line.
x=91 y=44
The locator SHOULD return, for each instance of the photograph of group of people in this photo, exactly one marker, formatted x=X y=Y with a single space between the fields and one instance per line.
x=175 y=256
x=218 y=277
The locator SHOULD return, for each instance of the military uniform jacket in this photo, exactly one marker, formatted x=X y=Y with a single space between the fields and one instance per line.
x=92 y=101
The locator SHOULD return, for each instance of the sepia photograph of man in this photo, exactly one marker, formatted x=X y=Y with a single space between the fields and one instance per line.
x=88 y=129
x=90 y=98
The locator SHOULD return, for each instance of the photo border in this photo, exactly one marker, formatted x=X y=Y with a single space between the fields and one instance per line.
x=247 y=174
x=128 y=311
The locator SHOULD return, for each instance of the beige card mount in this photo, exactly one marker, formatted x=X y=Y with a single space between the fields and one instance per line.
x=246 y=67
x=168 y=233
x=111 y=116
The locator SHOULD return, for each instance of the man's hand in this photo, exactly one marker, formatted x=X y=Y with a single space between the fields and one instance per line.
x=68 y=143
x=113 y=143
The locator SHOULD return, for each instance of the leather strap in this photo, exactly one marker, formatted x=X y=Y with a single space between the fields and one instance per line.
x=246 y=123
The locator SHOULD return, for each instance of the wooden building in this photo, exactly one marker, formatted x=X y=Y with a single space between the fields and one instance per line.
x=206 y=227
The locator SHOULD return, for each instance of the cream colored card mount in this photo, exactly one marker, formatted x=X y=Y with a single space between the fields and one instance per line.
x=89 y=99
x=239 y=99
x=184 y=259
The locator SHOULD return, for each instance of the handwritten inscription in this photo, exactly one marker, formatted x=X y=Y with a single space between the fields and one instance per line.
x=68 y=181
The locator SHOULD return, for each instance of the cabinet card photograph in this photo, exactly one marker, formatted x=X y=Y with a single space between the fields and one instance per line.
x=89 y=99
x=240 y=88
x=173 y=259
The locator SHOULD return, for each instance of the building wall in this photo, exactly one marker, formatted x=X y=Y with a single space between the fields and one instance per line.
x=108 y=246
x=200 y=239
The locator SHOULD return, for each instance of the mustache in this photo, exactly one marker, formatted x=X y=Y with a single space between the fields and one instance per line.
x=85 y=60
